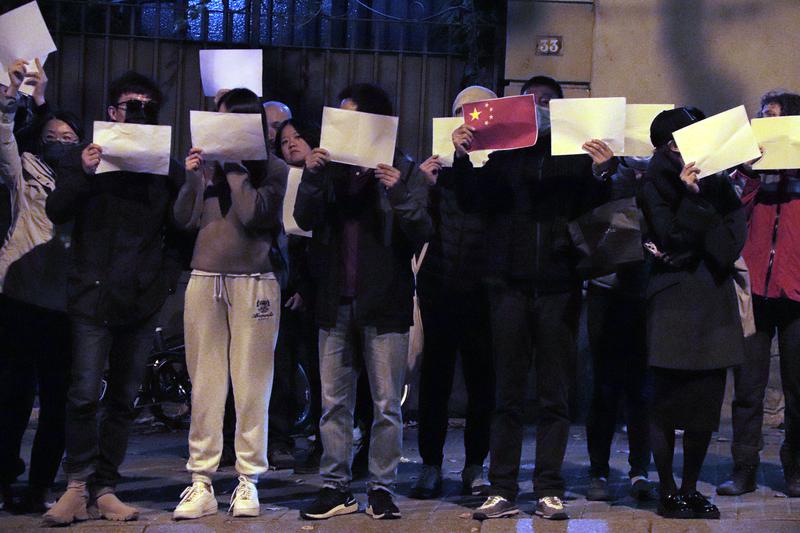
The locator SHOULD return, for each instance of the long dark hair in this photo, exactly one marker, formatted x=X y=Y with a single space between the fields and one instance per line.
x=308 y=132
x=246 y=101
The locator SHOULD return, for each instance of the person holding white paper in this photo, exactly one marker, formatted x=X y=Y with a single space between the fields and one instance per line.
x=527 y=196
x=772 y=253
x=277 y=114
x=694 y=331
x=367 y=224
x=615 y=323
x=231 y=314
x=455 y=319
x=33 y=289
x=297 y=340
x=124 y=262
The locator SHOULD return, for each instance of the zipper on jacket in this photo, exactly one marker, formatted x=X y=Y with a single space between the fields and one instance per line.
x=772 y=249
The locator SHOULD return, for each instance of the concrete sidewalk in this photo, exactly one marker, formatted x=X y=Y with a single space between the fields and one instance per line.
x=155 y=476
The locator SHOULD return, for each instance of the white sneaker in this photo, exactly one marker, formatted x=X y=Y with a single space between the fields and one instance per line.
x=244 y=500
x=196 y=500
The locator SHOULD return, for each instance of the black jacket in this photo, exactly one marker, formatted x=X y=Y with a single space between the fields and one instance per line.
x=692 y=313
x=393 y=225
x=124 y=258
x=456 y=257
x=527 y=197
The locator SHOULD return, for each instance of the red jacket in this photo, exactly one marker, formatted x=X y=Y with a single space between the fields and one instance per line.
x=772 y=250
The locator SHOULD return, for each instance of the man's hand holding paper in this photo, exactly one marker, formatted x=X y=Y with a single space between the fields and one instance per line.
x=443 y=130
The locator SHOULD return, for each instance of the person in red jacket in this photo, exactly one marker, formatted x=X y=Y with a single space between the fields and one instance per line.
x=772 y=255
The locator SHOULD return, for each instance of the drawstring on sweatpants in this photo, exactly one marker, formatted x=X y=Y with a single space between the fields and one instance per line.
x=217 y=294
x=219 y=285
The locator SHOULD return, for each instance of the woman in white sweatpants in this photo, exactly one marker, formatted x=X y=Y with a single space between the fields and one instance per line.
x=231 y=314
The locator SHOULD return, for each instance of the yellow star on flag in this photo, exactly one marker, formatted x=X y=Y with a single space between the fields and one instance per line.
x=475 y=114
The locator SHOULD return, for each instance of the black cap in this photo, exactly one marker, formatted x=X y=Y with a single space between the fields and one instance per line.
x=668 y=122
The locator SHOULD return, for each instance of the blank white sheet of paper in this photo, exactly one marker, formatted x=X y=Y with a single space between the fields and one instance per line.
x=228 y=136
x=638 y=118
x=359 y=139
x=133 y=147
x=231 y=69
x=719 y=142
x=780 y=138
x=443 y=143
x=289 y=199
x=574 y=121
x=24 y=35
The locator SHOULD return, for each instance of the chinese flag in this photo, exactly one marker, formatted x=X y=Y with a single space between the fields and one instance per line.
x=502 y=123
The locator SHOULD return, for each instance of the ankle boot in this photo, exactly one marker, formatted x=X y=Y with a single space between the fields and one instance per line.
x=743 y=480
x=70 y=507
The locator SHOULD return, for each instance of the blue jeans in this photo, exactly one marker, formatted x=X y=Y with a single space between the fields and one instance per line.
x=385 y=356
x=95 y=451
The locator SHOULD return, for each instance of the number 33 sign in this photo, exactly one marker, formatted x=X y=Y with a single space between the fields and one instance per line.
x=549 y=45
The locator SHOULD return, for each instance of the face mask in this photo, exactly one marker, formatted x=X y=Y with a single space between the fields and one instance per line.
x=53 y=152
x=138 y=112
x=141 y=117
x=543 y=119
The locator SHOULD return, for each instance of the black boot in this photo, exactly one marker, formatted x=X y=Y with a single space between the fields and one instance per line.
x=743 y=480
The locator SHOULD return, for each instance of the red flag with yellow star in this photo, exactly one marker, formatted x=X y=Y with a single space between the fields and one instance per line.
x=502 y=123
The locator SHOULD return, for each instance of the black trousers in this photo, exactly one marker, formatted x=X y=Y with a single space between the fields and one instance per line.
x=750 y=380
x=616 y=326
x=544 y=327
x=455 y=322
x=297 y=342
x=35 y=356
x=97 y=436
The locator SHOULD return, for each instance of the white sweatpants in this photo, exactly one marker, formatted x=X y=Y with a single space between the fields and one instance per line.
x=230 y=328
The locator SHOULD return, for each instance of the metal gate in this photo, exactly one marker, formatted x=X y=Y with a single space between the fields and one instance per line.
x=98 y=41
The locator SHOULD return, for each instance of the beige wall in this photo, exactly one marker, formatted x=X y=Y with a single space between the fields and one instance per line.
x=714 y=54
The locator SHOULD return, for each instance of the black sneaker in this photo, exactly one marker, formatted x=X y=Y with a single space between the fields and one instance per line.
x=642 y=490
x=280 y=458
x=701 y=507
x=495 y=507
x=381 y=505
x=598 y=490
x=330 y=502
x=429 y=483
x=309 y=465
x=674 y=506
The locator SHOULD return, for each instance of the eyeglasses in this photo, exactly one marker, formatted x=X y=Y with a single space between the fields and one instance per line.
x=67 y=138
x=150 y=107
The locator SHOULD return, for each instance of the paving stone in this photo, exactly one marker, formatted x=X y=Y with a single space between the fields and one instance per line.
x=725 y=526
x=155 y=476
